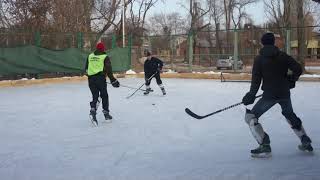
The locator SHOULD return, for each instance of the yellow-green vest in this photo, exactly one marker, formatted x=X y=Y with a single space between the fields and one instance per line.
x=95 y=63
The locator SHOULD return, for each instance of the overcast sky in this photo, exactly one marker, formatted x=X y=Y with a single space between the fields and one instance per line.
x=256 y=11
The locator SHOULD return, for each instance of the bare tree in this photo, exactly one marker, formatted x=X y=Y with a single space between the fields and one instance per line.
x=234 y=11
x=301 y=35
x=104 y=15
x=279 y=13
x=227 y=5
x=215 y=14
x=6 y=19
x=138 y=18
x=237 y=11
x=173 y=22
x=72 y=15
x=29 y=15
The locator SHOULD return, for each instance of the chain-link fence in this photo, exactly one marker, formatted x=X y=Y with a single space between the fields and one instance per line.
x=233 y=50
x=226 y=49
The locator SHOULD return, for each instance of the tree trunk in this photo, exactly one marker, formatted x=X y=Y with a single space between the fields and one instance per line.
x=301 y=35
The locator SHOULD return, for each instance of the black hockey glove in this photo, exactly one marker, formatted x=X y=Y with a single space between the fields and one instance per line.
x=159 y=70
x=292 y=81
x=115 y=83
x=248 y=99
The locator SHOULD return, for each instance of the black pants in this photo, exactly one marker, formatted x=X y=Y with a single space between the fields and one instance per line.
x=265 y=103
x=157 y=76
x=98 y=86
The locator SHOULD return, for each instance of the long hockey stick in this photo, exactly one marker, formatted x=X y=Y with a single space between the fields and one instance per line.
x=128 y=87
x=194 y=115
x=142 y=85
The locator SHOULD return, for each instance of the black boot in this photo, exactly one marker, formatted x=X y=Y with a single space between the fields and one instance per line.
x=93 y=116
x=305 y=144
x=263 y=151
x=148 y=90
x=163 y=91
x=107 y=116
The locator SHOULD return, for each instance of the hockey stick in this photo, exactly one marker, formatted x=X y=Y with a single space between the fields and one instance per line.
x=194 y=115
x=142 y=85
x=128 y=87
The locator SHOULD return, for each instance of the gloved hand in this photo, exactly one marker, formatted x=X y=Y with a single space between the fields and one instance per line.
x=248 y=99
x=115 y=83
x=292 y=81
x=159 y=70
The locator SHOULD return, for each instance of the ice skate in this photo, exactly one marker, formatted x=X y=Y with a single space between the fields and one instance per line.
x=263 y=151
x=148 y=90
x=305 y=144
x=163 y=91
x=93 y=116
x=107 y=116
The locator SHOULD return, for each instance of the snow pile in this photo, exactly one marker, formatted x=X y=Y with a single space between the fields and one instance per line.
x=170 y=72
x=130 y=72
x=311 y=75
x=211 y=72
x=24 y=79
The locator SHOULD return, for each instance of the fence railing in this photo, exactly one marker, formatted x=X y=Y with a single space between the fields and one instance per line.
x=184 y=52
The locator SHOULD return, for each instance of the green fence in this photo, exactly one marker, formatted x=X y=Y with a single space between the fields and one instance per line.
x=64 y=53
x=196 y=51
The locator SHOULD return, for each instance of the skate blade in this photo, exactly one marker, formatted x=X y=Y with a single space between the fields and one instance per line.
x=301 y=148
x=262 y=155
x=108 y=121
x=93 y=121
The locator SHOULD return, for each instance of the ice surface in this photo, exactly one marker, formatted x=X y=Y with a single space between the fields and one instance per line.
x=45 y=133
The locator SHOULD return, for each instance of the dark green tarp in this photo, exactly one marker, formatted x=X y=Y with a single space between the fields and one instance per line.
x=36 y=60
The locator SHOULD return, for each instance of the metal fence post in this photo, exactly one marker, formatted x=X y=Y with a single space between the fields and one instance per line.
x=236 y=50
x=37 y=39
x=114 y=41
x=130 y=49
x=288 y=41
x=80 y=40
x=190 y=50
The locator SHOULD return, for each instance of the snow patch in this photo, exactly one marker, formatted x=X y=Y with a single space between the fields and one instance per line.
x=170 y=72
x=311 y=75
x=211 y=72
x=130 y=72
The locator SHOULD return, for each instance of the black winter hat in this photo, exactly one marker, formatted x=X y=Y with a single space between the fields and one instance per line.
x=147 y=52
x=268 y=39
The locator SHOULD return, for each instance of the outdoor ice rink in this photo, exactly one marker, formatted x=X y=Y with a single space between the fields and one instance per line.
x=46 y=134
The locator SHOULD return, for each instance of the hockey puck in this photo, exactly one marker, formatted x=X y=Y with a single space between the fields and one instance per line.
x=153 y=104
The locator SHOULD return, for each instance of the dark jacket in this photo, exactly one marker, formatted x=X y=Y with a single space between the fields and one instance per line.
x=271 y=66
x=153 y=65
x=107 y=67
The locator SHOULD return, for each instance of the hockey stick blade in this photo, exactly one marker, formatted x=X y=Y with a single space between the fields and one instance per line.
x=194 y=115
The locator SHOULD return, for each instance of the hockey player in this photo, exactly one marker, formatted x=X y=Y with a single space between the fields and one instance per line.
x=271 y=67
x=98 y=65
x=152 y=67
